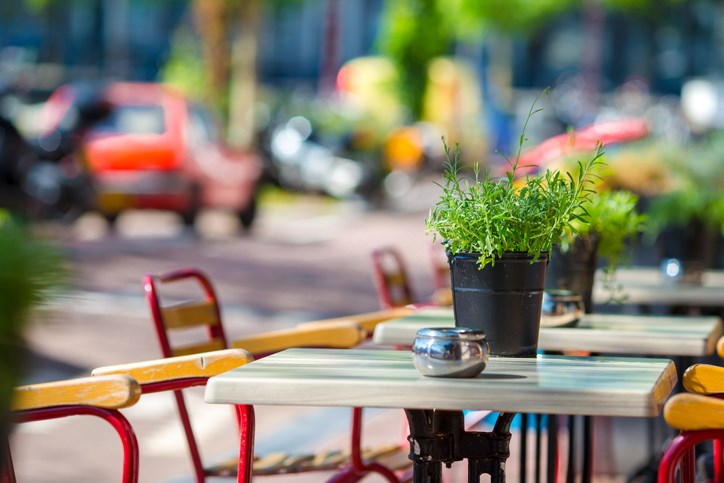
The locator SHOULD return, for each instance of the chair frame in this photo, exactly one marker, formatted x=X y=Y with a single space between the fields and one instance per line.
x=245 y=415
x=111 y=415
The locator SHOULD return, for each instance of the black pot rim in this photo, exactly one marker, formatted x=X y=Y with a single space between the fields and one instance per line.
x=506 y=255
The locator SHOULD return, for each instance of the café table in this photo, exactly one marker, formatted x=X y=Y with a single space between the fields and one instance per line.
x=602 y=386
x=681 y=336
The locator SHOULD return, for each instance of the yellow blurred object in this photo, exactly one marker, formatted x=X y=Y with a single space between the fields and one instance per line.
x=403 y=149
x=454 y=102
x=368 y=84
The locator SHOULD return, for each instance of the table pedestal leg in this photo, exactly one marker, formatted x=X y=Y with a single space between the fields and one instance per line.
x=438 y=437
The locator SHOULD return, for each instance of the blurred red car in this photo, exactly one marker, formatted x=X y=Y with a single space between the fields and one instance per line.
x=158 y=150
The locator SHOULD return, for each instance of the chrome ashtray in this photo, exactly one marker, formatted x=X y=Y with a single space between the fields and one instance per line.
x=561 y=308
x=450 y=352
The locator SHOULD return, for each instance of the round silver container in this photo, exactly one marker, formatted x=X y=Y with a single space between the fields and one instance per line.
x=450 y=352
x=561 y=308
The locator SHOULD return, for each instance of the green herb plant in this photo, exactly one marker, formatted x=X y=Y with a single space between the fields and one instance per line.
x=494 y=215
x=613 y=220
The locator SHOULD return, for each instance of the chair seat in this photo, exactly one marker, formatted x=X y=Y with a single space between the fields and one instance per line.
x=393 y=456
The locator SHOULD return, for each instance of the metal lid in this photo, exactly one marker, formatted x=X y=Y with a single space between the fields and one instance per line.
x=451 y=333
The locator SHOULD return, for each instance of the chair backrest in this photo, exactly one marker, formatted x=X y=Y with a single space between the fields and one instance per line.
x=200 y=311
x=391 y=279
x=95 y=396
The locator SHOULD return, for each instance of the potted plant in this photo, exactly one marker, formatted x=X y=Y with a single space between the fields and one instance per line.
x=497 y=232
x=30 y=268
x=611 y=221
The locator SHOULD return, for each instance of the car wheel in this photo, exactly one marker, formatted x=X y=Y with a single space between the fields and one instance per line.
x=248 y=214
x=111 y=219
x=188 y=217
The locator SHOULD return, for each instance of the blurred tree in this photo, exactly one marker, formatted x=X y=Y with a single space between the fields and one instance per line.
x=229 y=32
x=415 y=31
x=210 y=21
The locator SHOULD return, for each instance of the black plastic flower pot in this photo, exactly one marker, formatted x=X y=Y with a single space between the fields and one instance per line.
x=574 y=269
x=504 y=299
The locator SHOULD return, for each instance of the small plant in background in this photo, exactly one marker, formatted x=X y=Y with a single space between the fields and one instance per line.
x=492 y=216
x=613 y=220
x=31 y=269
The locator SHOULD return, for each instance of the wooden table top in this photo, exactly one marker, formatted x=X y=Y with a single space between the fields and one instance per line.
x=675 y=335
x=387 y=378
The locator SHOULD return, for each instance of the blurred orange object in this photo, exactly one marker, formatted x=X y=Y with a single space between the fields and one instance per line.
x=403 y=149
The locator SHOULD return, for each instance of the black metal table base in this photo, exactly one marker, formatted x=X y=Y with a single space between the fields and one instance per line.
x=439 y=437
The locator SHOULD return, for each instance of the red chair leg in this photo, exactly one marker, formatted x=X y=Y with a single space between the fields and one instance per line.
x=718 y=476
x=357 y=463
x=246 y=443
x=687 y=468
x=190 y=439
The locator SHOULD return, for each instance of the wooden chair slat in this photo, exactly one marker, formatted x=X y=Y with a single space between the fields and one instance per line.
x=368 y=321
x=704 y=379
x=395 y=279
x=207 y=346
x=693 y=412
x=340 y=335
x=109 y=392
x=204 y=364
x=190 y=314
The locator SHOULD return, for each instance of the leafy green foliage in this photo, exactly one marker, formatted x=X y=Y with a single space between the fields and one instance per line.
x=492 y=216
x=30 y=269
x=185 y=68
x=412 y=34
x=612 y=218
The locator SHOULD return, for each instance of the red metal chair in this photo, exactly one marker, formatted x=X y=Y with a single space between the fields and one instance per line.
x=205 y=313
x=391 y=278
x=699 y=416
x=89 y=396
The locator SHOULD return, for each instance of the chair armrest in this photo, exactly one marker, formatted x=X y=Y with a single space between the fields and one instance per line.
x=704 y=379
x=368 y=321
x=694 y=412
x=108 y=392
x=205 y=364
x=340 y=335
